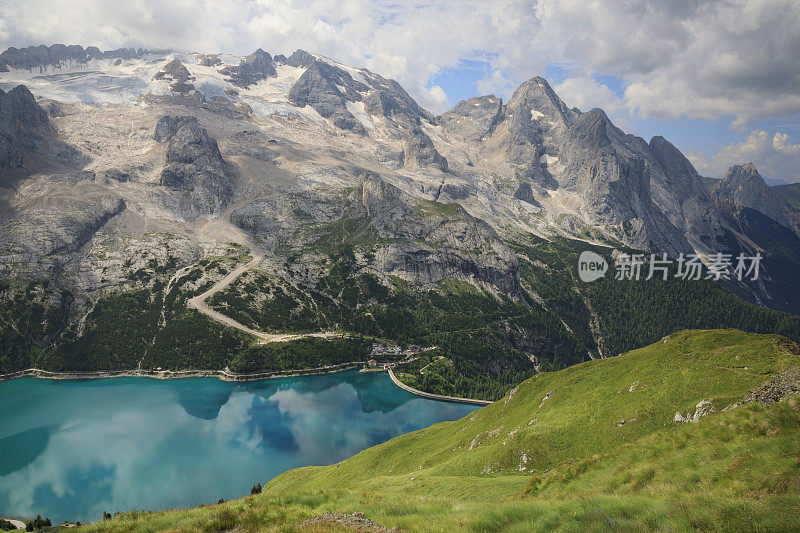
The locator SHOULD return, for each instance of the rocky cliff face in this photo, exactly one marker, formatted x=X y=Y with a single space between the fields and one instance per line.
x=43 y=57
x=647 y=195
x=336 y=94
x=22 y=122
x=194 y=167
x=745 y=186
x=252 y=69
x=429 y=243
x=473 y=119
x=327 y=90
x=299 y=155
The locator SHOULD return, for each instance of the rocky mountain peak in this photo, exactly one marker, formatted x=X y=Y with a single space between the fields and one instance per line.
x=327 y=89
x=22 y=122
x=55 y=55
x=300 y=59
x=474 y=118
x=741 y=174
x=19 y=104
x=679 y=169
x=533 y=116
x=744 y=186
x=250 y=70
x=537 y=97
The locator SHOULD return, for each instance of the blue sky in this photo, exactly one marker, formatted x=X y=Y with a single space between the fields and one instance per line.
x=718 y=78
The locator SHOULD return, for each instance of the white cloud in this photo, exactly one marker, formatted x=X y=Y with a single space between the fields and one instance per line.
x=703 y=59
x=434 y=99
x=700 y=59
x=497 y=83
x=774 y=156
x=586 y=93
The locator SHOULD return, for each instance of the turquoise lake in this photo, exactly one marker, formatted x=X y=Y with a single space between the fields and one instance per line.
x=70 y=450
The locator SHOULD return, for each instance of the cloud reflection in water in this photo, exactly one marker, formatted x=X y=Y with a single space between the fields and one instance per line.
x=73 y=449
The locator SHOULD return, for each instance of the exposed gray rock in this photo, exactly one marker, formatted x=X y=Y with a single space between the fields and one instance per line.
x=355 y=521
x=420 y=151
x=299 y=58
x=327 y=89
x=473 y=119
x=745 y=186
x=685 y=198
x=525 y=193
x=42 y=56
x=702 y=409
x=250 y=70
x=178 y=75
x=783 y=386
x=535 y=112
x=57 y=219
x=389 y=99
x=116 y=175
x=194 y=167
x=455 y=192
x=647 y=196
x=434 y=241
x=22 y=122
x=208 y=60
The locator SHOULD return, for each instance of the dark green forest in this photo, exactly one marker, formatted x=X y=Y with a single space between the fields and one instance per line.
x=488 y=341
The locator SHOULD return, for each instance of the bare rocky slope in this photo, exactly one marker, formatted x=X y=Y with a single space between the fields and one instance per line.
x=132 y=167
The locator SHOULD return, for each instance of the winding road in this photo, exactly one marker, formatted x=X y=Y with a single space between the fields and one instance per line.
x=199 y=303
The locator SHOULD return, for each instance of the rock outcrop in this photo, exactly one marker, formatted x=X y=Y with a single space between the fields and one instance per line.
x=299 y=58
x=524 y=192
x=194 y=167
x=43 y=57
x=473 y=119
x=250 y=70
x=783 y=386
x=177 y=75
x=745 y=186
x=208 y=60
x=351 y=521
x=704 y=408
x=430 y=242
x=327 y=89
x=420 y=151
x=22 y=122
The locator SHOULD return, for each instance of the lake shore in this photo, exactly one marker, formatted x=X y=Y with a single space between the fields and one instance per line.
x=223 y=375
x=432 y=396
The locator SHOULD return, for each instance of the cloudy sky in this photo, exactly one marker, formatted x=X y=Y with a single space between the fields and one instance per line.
x=720 y=78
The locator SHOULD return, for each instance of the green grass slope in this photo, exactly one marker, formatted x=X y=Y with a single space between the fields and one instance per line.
x=590 y=448
x=790 y=193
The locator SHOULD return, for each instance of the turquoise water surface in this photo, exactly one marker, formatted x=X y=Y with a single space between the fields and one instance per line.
x=70 y=450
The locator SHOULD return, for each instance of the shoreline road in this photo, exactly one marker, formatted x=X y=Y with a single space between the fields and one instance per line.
x=199 y=303
x=435 y=396
x=19 y=524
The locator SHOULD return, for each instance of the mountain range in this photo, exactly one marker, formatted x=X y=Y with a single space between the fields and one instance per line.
x=132 y=181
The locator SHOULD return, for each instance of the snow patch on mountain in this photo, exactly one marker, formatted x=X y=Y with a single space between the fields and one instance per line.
x=357 y=110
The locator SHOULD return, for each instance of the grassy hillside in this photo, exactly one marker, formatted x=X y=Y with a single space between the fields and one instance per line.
x=790 y=193
x=590 y=448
